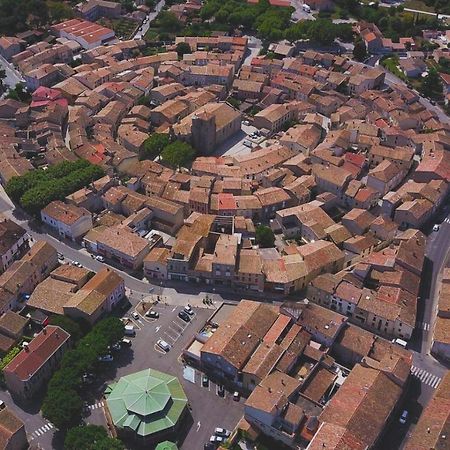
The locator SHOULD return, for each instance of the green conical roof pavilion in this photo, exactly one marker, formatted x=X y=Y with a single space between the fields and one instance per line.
x=166 y=445
x=146 y=402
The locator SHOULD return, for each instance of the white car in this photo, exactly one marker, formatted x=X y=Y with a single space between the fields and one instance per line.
x=403 y=417
x=100 y=258
x=76 y=263
x=163 y=345
x=135 y=315
x=189 y=310
x=222 y=432
x=216 y=439
x=436 y=227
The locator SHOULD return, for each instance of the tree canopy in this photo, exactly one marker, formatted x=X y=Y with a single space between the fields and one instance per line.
x=183 y=48
x=359 y=50
x=154 y=145
x=90 y=437
x=37 y=188
x=265 y=236
x=67 y=324
x=431 y=85
x=178 y=154
x=62 y=404
x=19 y=15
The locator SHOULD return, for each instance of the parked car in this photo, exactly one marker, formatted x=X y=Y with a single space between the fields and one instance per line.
x=436 y=227
x=152 y=314
x=116 y=347
x=126 y=342
x=60 y=256
x=403 y=417
x=222 y=432
x=205 y=381
x=135 y=315
x=100 y=258
x=248 y=144
x=184 y=316
x=221 y=390
x=236 y=396
x=106 y=358
x=76 y=263
x=163 y=345
x=216 y=439
x=189 y=310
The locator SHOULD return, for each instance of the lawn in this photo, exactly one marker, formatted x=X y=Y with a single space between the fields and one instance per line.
x=418 y=4
x=122 y=27
x=391 y=65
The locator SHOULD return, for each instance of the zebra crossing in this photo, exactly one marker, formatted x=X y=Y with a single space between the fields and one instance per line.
x=447 y=220
x=423 y=326
x=40 y=431
x=426 y=377
x=96 y=405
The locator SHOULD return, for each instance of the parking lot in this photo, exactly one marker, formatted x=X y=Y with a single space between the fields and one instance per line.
x=208 y=409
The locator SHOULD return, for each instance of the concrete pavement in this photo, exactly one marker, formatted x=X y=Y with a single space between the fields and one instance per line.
x=140 y=33
x=13 y=76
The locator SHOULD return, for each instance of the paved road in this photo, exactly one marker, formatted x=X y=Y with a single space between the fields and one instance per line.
x=254 y=47
x=12 y=75
x=150 y=17
x=437 y=252
x=390 y=5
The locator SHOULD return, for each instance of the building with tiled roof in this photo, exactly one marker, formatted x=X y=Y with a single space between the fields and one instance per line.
x=70 y=221
x=30 y=370
x=12 y=431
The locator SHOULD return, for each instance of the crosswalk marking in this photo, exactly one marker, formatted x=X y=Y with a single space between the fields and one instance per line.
x=96 y=405
x=425 y=377
x=40 y=431
x=447 y=220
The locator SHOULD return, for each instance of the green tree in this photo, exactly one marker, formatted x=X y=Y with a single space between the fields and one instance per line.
x=90 y=437
x=19 y=93
x=178 y=154
x=62 y=404
x=168 y=22
x=322 y=31
x=431 y=85
x=359 y=50
x=62 y=407
x=264 y=236
x=183 y=48
x=154 y=145
x=69 y=325
x=59 y=11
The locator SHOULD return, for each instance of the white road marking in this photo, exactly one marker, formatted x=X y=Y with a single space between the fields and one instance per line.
x=174 y=309
x=198 y=425
x=426 y=377
x=157 y=328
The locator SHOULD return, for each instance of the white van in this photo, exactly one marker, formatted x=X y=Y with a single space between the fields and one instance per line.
x=400 y=342
x=306 y=8
x=129 y=330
